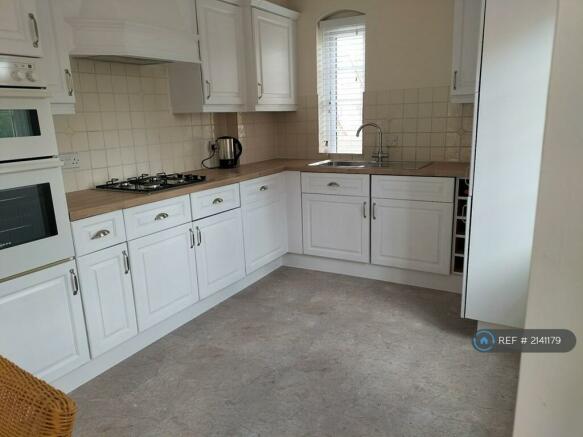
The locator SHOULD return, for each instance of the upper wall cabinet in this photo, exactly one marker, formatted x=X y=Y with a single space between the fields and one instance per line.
x=55 y=65
x=227 y=80
x=19 y=28
x=274 y=41
x=466 y=47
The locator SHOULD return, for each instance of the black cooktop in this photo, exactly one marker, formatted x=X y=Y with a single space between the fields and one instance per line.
x=151 y=183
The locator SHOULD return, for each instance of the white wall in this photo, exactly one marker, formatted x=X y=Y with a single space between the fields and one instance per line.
x=408 y=42
x=550 y=392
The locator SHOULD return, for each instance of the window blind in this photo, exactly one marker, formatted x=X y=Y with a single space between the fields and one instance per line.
x=341 y=83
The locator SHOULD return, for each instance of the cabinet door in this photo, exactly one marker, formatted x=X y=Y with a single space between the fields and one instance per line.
x=108 y=298
x=220 y=27
x=220 y=257
x=411 y=234
x=466 y=42
x=19 y=28
x=164 y=274
x=55 y=64
x=42 y=325
x=273 y=36
x=265 y=231
x=336 y=226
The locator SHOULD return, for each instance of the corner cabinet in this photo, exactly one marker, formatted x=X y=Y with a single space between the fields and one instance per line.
x=20 y=28
x=42 y=323
x=466 y=48
x=275 y=60
x=263 y=204
x=228 y=81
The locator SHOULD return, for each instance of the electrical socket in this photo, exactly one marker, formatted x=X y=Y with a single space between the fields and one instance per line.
x=70 y=160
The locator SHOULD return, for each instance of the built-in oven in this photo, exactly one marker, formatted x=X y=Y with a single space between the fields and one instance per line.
x=34 y=223
x=26 y=122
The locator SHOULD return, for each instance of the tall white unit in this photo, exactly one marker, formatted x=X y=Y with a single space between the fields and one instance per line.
x=512 y=98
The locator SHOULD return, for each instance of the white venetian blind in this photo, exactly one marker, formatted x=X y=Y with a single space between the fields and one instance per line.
x=341 y=60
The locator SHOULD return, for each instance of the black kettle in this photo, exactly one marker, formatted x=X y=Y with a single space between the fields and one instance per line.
x=230 y=150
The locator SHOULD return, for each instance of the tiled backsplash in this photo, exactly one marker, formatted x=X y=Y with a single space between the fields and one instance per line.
x=419 y=124
x=123 y=126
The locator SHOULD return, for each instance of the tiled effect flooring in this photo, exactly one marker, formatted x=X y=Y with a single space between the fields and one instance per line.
x=304 y=353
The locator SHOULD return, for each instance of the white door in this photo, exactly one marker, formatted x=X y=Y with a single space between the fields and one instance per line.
x=55 y=64
x=336 y=226
x=220 y=256
x=19 y=28
x=41 y=321
x=108 y=298
x=273 y=37
x=411 y=234
x=265 y=231
x=164 y=274
x=466 y=47
x=220 y=27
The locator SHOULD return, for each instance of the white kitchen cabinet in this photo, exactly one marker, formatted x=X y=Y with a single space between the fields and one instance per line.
x=108 y=298
x=275 y=64
x=263 y=205
x=163 y=267
x=410 y=234
x=466 y=48
x=220 y=26
x=55 y=64
x=336 y=226
x=42 y=324
x=220 y=255
x=20 y=28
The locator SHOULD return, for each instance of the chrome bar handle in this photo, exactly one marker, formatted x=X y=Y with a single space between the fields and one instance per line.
x=192 y=242
x=126 y=261
x=455 y=73
x=364 y=209
x=161 y=216
x=36 y=40
x=333 y=184
x=260 y=85
x=69 y=81
x=208 y=89
x=198 y=236
x=100 y=234
x=218 y=200
x=74 y=282
x=374 y=210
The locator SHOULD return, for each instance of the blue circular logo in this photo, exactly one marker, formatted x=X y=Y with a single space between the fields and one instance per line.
x=484 y=340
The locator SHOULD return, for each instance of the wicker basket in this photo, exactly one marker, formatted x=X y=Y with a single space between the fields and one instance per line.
x=31 y=407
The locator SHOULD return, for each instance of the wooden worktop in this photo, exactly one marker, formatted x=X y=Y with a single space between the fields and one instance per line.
x=88 y=203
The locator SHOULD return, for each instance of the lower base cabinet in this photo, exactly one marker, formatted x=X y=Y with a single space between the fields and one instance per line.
x=163 y=267
x=42 y=324
x=412 y=235
x=220 y=255
x=108 y=298
x=336 y=226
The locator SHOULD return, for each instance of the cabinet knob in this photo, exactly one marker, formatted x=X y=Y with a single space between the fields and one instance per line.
x=161 y=216
x=217 y=201
x=100 y=234
x=263 y=188
x=333 y=184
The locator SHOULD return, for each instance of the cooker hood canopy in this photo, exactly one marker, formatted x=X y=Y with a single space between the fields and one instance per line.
x=135 y=31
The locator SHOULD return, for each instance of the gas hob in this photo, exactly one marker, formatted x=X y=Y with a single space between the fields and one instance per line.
x=152 y=183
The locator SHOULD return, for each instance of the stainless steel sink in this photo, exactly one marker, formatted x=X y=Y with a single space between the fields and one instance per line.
x=404 y=165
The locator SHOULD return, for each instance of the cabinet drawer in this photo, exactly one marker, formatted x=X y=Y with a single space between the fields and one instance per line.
x=336 y=183
x=430 y=189
x=210 y=202
x=263 y=189
x=99 y=232
x=153 y=217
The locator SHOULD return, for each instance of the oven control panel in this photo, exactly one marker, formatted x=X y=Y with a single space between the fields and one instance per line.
x=20 y=72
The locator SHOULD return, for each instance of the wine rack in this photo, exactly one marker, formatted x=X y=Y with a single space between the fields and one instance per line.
x=460 y=222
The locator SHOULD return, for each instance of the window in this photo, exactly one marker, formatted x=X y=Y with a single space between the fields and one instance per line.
x=341 y=59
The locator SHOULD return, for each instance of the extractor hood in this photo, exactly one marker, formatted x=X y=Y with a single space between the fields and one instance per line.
x=135 y=31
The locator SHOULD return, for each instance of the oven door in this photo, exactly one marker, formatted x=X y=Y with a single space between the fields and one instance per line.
x=34 y=222
x=26 y=125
